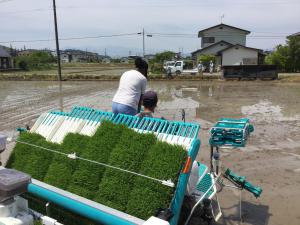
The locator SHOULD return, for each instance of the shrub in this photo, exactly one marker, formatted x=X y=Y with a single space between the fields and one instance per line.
x=22 y=64
x=38 y=60
x=157 y=68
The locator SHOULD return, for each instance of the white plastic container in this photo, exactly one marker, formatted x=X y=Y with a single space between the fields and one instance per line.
x=15 y=213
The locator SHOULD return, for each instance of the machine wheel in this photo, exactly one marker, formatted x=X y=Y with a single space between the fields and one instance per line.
x=178 y=72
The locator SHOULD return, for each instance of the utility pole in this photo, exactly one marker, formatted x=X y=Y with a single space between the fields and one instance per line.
x=148 y=35
x=57 y=43
x=143 y=42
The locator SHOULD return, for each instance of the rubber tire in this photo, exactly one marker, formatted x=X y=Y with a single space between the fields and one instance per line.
x=178 y=72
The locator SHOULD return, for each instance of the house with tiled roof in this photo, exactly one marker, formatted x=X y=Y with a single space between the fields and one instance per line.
x=228 y=45
x=6 y=60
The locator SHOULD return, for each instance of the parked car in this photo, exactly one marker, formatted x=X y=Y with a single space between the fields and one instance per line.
x=168 y=63
x=182 y=67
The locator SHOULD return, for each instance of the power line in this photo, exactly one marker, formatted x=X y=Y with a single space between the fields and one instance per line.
x=221 y=36
x=131 y=34
x=25 y=11
x=166 y=35
x=71 y=38
x=3 y=1
x=37 y=10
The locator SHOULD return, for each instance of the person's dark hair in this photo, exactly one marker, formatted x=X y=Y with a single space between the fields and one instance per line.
x=141 y=65
x=150 y=99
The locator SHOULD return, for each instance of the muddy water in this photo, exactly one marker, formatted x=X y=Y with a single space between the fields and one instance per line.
x=274 y=109
x=263 y=102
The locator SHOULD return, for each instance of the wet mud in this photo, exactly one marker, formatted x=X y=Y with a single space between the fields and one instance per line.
x=271 y=158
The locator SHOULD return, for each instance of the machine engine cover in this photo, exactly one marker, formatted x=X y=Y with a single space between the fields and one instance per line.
x=12 y=183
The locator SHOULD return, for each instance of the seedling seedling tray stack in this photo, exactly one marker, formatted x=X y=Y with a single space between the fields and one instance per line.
x=86 y=121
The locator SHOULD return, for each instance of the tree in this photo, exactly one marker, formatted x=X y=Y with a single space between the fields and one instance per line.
x=286 y=57
x=37 y=60
x=294 y=53
x=164 y=56
x=279 y=58
x=205 y=60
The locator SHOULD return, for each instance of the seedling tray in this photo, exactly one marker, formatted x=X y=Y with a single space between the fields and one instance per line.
x=178 y=133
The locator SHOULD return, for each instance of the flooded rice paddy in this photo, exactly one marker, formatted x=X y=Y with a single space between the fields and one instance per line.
x=271 y=159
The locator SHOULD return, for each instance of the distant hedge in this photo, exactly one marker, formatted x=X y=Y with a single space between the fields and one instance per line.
x=115 y=145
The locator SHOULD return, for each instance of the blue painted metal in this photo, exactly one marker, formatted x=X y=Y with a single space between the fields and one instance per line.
x=231 y=132
x=182 y=183
x=205 y=184
x=50 y=118
x=76 y=207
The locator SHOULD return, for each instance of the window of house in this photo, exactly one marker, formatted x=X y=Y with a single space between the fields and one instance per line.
x=208 y=40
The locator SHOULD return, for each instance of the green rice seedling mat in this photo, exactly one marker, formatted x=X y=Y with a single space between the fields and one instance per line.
x=163 y=161
x=128 y=154
x=85 y=181
x=115 y=145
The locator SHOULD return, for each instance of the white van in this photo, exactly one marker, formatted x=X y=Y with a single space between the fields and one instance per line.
x=180 y=67
x=168 y=63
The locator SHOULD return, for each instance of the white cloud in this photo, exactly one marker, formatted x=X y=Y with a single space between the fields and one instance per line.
x=33 y=19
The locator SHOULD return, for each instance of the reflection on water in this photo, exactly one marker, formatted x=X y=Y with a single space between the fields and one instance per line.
x=22 y=102
x=210 y=92
x=61 y=97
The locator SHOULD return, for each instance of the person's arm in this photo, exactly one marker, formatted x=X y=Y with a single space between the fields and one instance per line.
x=140 y=104
x=143 y=89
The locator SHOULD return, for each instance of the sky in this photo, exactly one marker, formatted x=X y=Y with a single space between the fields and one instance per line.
x=174 y=24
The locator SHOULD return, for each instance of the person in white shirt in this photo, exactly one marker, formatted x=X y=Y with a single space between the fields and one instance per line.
x=200 y=67
x=132 y=86
x=211 y=66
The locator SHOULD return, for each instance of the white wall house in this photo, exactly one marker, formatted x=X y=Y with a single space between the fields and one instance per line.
x=222 y=32
x=222 y=36
x=239 y=55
